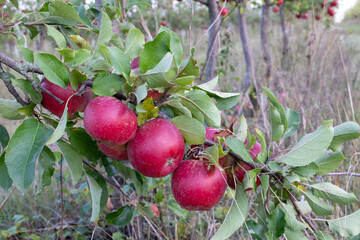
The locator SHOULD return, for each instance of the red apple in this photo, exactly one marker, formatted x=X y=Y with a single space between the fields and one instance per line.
x=305 y=16
x=154 y=209
x=157 y=148
x=155 y=94
x=318 y=17
x=224 y=11
x=323 y=4
x=276 y=9
x=107 y=118
x=239 y=172
x=331 y=11
x=334 y=3
x=255 y=150
x=163 y=23
x=197 y=186
x=76 y=103
x=279 y=2
x=117 y=152
x=298 y=15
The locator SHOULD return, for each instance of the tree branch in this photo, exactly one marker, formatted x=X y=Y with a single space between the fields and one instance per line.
x=202 y=2
x=351 y=174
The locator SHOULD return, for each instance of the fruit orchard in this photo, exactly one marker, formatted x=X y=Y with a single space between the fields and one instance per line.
x=123 y=119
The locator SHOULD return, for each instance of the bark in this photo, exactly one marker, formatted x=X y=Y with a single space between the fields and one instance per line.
x=285 y=48
x=214 y=40
x=264 y=32
x=244 y=36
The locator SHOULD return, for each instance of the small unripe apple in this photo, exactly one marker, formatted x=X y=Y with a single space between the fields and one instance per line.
x=76 y=103
x=107 y=118
x=157 y=148
x=279 y=2
x=305 y=16
x=117 y=152
x=331 y=11
x=197 y=185
x=276 y=9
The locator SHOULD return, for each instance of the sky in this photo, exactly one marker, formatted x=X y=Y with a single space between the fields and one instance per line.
x=344 y=5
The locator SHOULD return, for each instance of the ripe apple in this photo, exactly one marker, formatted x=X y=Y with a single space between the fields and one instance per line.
x=107 y=118
x=298 y=15
x=279 y=2
x=224 y=11
x=157 y=148
x=331 y=11
x=318 y=17
x=76 y=103
x=239 y=172
x=163 y=23
x=305 y=16
x=155 y=94
x=323 y=4
x=276 y=9
x=334 y=3
x=198 y=186
x=117 y=152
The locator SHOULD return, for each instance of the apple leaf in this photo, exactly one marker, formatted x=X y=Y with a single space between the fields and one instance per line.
x=121 y=217
x=148 y=111
x=205 y=105
x=131 y=3
x=154 y=51
x=277 y=127
x=291 y=217
x=4 y=138
x=63 y=13
x=81 y=56
x=178 y=108
x=145 y=209
x=60 y=129
x=28 y=89
x=192 y=130
x=99 y=193
x=294 y=235
x=310 y=147
x=23 y=150
x=275 y=103
x=194 y=111
x=189 y=66
x=9 y=109
x=235 y=217
x=276 y=222
x=5 y=180
x=293 y=121
x=243 y=128
x=262 y=156
x=107 y=84
x=120 y=62
x=73 y=159
x=160 y=75
x=323 y=236
x=80 y=42
x=329 y=161
x=45 y=167
x=54 y=70
x=28 y=54
x=76 y=77
x=257 y=230
x=137 y=181
x=67 y=53
x=105 y=29
x=347 y=226
x=175 y=46
x=318 y=206
x=344 y=132
x=239 y=148
x=57 y=36
x=333 y=193
x=134 y=43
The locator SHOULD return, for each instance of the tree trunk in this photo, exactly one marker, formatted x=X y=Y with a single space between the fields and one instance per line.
x=285 y=48
x=214 y=41
x=244 y=36
x=264 y=32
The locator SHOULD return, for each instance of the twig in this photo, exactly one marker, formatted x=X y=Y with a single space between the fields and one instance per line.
x=7 y=199
x=343 y=174
x=301 y=215
x=202 y=2
x=61 y=200
x=7 y=81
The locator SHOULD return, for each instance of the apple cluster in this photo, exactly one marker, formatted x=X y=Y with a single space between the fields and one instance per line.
x=155 y=148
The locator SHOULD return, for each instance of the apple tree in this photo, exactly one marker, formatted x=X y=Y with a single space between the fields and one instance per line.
x=95 y=105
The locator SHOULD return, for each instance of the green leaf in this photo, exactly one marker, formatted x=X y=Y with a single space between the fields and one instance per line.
x=82 y=142
x=310 y=147
x=5 y=180
x=212 y=154
x=235 y=217
x=61 y=10
x=45 y=167
x=293 y=120
x=53 y=69
x=121 y=217
x=76 y=78
x=99 y=193
x=67 y=53
x=15 y=3
x=4 y=138
x=294 y=235
x=107 y=84
x=277 y=127
x=323 y=236
x=148 y=111
x=344 y=132
x=145 y=209
x=178 y=108
x=306 y=171
x=275 y=103
x=318 y=206
x=134 y=43
x=82 y=15
x=131 y=3
x=28 y=54
x=256 y=230
x=154 y=51
x=194 y=110
x=291 y=217
x=329 y=161
x=138 y=181
x=80 y=42
x=9 y=109
x=81 y=56
x=243 y=128
x=161 y=74
x=333 y=193
x=347 y=226
x=175 y=45
x=28 y=89
x=105 y=29
x=33 y=31
x=23 y=150
x=192 y=130
x=120 y=62
x=189 y=66
x=262 y=156
x=60 y=129
x=276 y=221
x=57 y=36
x=205 y=105
x=187 y=80
x=239 y=148
x=27 y=110
x=73 y=159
